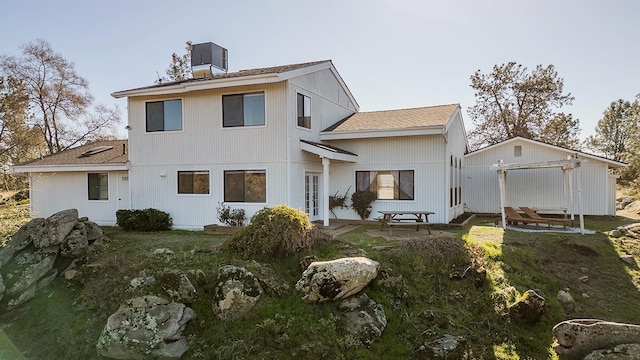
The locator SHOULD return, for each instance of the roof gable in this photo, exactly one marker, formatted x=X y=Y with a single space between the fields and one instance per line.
x=401 y=122
x=612 y=163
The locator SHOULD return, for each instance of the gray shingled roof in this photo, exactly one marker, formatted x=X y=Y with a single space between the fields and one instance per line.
x=116 y=152
x=397 y=119
x=241 y=73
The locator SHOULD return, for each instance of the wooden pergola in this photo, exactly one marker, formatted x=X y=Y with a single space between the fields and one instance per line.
x=567 y=167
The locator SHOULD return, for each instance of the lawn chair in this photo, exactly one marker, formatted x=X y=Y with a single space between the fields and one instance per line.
x=513 y=217
x=532 y=214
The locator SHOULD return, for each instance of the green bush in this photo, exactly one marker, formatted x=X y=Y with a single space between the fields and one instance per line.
x=277 y=231
x=361 y=203
x=143 y=220
x=230 y=217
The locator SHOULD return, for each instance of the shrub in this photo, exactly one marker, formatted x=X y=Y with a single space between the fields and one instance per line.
x=336 y=200
x=277 y=231
x=235 y=217
x=361 y=202
x=143 y=220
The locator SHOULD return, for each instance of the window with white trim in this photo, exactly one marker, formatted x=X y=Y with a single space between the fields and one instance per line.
x=388 y=185
x=245 y=186
x=243 y=110
x=193 y=182
x=304 y=111
x=98 y=186
x=164 y=115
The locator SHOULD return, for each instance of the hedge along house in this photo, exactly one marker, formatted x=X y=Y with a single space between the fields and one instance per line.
x=538 y=177
x=92 y=178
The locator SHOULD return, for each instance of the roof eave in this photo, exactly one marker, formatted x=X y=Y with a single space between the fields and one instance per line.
x=202 y=85
x=332 y=155
x=380 y=133
x=71 y=168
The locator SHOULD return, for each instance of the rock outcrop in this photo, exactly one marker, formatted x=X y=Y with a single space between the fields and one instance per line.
x=28 y=262
x=579 y=337
x=363 y=318
x=147 y=327
x=336 y=279
x=236 y=293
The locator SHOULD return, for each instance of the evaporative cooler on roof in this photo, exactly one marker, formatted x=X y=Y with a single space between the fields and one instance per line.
x=207 y=56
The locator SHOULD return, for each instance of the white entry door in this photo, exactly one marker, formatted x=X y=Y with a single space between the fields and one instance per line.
x=312 y=196
x=123 y=190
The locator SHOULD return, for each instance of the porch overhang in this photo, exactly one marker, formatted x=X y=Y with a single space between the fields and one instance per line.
x=328 y=151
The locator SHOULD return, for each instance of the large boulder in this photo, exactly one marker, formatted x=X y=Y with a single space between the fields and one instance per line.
x=528 y=308
x=619 y=352
x=177 y=285
x=75 y=243
x=336 y=279
x=147 y=327
x=94 y=232
x=25 y=236
x=236 y=293
x=579 y=337
x=22 y=273
x=363 y=318
x=58 y=226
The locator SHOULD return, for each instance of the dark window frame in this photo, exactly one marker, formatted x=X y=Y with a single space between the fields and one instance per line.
x=303 y=110
x=160 y=122
x=94 y=187
x=364 y=176
x=242 y=178
x=186 y=188
x=232 y=118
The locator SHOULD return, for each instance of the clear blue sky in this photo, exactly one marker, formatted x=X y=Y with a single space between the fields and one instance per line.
x=391 y=53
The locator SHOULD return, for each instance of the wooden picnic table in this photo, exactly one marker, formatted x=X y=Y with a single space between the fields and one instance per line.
x=405 y=217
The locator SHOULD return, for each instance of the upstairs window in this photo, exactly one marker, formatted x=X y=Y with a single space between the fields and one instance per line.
x=164 y=115
x=388 y=185
x=193 y=182
x=243 y=110
x=245 y=186
x=98 y=186
x=304 y=111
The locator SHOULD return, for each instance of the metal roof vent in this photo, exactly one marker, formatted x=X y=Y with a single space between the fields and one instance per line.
x=206 y=57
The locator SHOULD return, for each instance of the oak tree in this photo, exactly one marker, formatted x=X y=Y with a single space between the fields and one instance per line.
x=511 y=101
x=59 y=98
x=179 y=68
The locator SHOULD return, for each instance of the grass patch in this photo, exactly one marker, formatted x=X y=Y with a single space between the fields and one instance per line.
x=418 y=285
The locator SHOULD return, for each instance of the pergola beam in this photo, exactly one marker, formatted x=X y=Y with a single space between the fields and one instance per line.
x=567 y=166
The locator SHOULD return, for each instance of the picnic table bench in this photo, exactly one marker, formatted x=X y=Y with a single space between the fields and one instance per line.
x=415 y=218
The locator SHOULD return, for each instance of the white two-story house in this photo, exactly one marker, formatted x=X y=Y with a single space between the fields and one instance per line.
x=262 y=137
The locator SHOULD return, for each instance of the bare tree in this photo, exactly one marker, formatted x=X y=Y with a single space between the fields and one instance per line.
x=510 y=102
x=59 y=98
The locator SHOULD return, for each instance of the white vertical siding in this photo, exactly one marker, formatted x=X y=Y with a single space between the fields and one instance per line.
x=541 y=188
x=204 y=144
x=425 y=155
x=456 y=147
x=47 y=197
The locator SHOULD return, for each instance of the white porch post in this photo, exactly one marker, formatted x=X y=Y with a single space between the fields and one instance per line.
x=571 y=198
x=580 y=205
x=325 y=190
x=502 y=180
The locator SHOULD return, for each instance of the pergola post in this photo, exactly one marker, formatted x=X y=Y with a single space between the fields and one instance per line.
x=580 y=205
x=502 y=180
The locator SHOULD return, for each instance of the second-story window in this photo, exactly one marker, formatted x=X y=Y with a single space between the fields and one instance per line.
x=304 y=111
x=243 y=110
x=164 y=115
